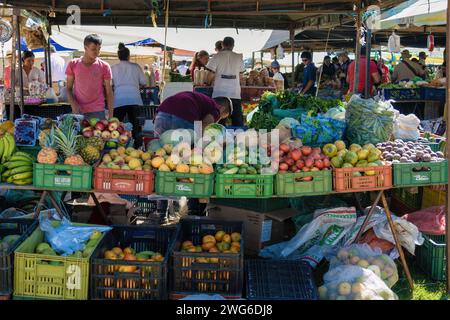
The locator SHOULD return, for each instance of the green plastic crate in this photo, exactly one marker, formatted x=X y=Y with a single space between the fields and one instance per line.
x=289 y=184
x=257 y=205
x=431 y=256
x=62 y=176
x=34 y=278
x=406 y=176
x=244 y=185
x=33 y=151
x=434 y=146
x=168 y=183
x=410 y=199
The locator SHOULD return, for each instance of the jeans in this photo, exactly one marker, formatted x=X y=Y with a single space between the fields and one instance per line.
x=166 y=121
x=99 y=115
x=132 y=113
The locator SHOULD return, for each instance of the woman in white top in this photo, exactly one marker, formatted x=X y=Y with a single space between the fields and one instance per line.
x=128 y=77
x=29 y=71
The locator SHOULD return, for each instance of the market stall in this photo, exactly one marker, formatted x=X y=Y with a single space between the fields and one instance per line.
x=324 y=150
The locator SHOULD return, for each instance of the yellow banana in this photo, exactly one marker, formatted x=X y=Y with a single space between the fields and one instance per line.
x=23 y=175
x=23 y=182
x=12 y=144
x=2 y=146
x=6 y=148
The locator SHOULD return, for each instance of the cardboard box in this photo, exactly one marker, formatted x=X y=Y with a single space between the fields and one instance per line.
x=260 y=229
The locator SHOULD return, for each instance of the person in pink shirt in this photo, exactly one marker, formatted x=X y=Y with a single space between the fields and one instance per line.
x=88 y=79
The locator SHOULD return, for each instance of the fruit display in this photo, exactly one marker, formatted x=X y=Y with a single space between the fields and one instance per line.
x=129 y=254
x=399 y=151
x=351 y=282
x=112 y=131
x=45 y=248
x=355 y=156
x=7 y=242
x=182 y=159
x=126 y=159
x=365 y=257
x=18 y=169
x=304 y=159
x=7 y=126
x=7 y=146
x=221 y=242
x=25 y=133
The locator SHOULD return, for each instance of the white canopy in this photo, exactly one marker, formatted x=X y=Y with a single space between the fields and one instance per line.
x=246 y=41
x=416 y=12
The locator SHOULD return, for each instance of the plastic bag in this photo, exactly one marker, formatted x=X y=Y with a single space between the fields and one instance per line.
x=65 y=238
x=354 y=283
x=429 y=220
x=319 y=130
x=374 y=242
x=368 y=258
x=327 y=229
x=406 y=127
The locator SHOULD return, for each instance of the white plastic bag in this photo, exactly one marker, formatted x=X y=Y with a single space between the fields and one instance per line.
x=365 y=257
x=407 y=127
x=354 y=283
x=327 y=228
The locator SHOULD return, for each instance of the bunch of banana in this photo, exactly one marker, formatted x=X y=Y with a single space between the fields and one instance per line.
x=7 y=147
x=19 y=169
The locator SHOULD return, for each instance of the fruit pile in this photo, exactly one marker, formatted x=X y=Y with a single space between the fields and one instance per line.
x=19 y=169
x=180 y=158
x=243 y=159
x=129 y=254
x=126 y=159
x=220 y=242
x=304 y=159
x=7 y=146
x=63 y=144
x=355 y=156
x=112 y=131
x=7 y=242
x=7 y=126
x=399 y=151
x=45 y=249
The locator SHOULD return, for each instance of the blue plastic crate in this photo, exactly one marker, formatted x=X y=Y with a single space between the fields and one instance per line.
x=433 y=94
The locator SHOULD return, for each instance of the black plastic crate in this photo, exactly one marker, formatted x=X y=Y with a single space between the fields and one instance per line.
x=144 y=206
x=148 y=281
x=280 y=280
x=12 y=226
x=191 y=276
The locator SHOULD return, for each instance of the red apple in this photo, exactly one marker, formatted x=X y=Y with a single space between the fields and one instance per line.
x=317 y=150
x=105 y=122
x=306 y=150
x=85 y=123
x=306 y=169
x=317 y=156
x=100 y=126
x=298 y=170
x=290 y=162
x=88 y=132
x=284 y=166
x=106 y=135
x=293 y=168
x=121 y=129
x=123 y=139
x=309 y=162
x=319 y=164
x=326 y=162
x=296 y=154
x=97 y=133
x=300 y=164
x=113 y=126
x=284 y=147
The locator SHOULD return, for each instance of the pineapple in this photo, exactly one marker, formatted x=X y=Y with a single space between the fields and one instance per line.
x=43 y=136
x=90 y=154
x=97 y=142
x=66 y=143
x=48 y=153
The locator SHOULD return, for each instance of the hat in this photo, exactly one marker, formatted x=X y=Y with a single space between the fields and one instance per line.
x=275 y=64
x=422 y=54
x=406 y=54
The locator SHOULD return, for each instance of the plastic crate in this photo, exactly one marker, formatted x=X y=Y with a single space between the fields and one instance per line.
x=420 y=173
x=144 y=206
x=402 y=94
x=35 y=278
x=411 y=199
x=244 y=186
x=434 y=146
x=136 y=182
x=345 y=181
x=431 y=256
x=149 y=281
x=224 y=277
x=175 y=184
x=432 y=198
x=33 y=151
x=258 y=205
x=433 y=94
x=62 y=177
x=292 y=184
x=14 y=226
x=280 y=280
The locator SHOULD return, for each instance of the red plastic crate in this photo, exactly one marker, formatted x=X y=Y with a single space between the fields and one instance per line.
x=137 y=182
x=345 y=181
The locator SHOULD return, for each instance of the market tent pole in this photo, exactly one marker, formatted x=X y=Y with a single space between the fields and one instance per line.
x=19 y=58
x=13 y=70
x=367 y=89
x=165 y=49
x=447 y=224
x=253 y=60
x=49 y=57
x=292 y=39
x=357 y=50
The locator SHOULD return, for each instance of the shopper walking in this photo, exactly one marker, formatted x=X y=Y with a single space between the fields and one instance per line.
x=225 y=68
x=407 y=69
x=374 y=77
x=309 y=74
x=88 y=79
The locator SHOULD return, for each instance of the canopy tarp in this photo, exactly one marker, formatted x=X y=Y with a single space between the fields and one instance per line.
x=246 y=41
x=416 y=12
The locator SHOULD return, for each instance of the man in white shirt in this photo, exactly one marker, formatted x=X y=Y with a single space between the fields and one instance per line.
x=182 y=68
x=58 y=70
x=225 y=67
